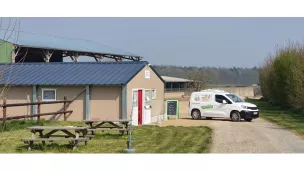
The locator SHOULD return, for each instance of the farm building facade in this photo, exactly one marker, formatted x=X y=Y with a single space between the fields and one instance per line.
x=98 y=90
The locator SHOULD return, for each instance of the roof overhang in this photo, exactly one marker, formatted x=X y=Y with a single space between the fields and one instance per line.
x=168 y=79
x=67 y=53
x=68 y=46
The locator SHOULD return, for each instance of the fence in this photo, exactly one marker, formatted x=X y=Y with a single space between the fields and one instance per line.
x=4 y=107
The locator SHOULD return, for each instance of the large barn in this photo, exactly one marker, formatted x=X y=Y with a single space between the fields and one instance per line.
x=32 y=66
x=33 y=47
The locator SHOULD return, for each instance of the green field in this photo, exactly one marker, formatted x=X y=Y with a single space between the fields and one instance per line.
x=289 y=118
x=148 y=139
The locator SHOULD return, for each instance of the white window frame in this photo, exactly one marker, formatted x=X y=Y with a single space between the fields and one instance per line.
x=135 y=102
x=152 y=94
x=49 y=89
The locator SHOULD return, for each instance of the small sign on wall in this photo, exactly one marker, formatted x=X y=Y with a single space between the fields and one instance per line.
x=147 y=74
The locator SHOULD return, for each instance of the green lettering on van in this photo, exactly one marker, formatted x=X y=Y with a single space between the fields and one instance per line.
x=207 y=107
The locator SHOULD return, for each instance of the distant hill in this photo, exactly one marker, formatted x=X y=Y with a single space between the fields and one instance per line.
x=244 y=76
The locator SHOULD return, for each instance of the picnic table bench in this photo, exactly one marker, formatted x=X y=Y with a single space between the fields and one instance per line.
x=73 y=134
x=102 y=125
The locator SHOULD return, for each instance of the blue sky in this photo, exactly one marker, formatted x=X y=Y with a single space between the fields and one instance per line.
x=220 y=42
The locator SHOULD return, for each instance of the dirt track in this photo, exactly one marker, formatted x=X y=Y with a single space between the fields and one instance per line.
x=258 y=136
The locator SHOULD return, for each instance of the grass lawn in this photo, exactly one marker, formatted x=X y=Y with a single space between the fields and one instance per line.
x=148 y=139
x=285 y=117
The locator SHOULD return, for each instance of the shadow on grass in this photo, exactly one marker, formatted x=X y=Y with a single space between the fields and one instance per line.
x=59 y=148
x=110 y=135
x=148 y=139
x=21 y=124
x=215 y=119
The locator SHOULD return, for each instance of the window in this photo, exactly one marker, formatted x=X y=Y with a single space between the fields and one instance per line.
x=148 y=101
x=220 y=98
x=153 y=93
x=235 y=98
x=135 y=98
x=48 y=94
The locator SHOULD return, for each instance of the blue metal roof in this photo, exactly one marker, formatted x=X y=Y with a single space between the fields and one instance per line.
x=36 y=40
x=68 y=73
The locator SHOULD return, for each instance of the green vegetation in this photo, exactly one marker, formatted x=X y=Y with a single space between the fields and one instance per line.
x=216 y=76
x=282 y=76
x=5 y=51
x=21 y=124
x=289 y=118
x=148 y=139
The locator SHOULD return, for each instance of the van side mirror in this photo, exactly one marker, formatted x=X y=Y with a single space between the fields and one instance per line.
x=224 y=102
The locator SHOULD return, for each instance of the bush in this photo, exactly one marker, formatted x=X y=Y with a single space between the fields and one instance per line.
x=282 y=76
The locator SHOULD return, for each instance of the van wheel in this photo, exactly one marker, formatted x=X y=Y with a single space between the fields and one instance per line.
x=248 y=120
x=196 y=114
x=208 y=118
x=235 y=116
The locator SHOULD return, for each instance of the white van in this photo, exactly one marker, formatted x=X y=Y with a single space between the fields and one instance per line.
x=220 y=104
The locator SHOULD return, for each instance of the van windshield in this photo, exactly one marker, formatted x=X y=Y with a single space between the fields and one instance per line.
x=234 y=98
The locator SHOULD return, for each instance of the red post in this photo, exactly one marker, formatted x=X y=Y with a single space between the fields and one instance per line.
x=4 y=115
x=64 y=107
x=38 y=110
x=140 y=109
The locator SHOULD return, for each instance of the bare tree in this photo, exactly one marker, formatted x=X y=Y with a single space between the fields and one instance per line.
x=7 y=33
x=13 y=27
x=198 y=80
x=10 y=66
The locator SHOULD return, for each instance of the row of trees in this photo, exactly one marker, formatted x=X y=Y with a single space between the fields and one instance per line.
x=282 y=76
x=244 y=76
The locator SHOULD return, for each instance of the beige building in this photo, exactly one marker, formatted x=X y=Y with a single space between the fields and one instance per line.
x=109 y=90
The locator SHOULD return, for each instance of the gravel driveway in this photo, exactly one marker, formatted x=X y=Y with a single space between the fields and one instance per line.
x=258 y=136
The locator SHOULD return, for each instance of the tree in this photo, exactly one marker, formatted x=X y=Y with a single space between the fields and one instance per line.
x=8 y=29
x=282 y=76
x=219 y=75
x=198 y=80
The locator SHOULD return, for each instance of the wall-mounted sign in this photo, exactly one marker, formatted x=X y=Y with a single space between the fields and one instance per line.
x=147 y=74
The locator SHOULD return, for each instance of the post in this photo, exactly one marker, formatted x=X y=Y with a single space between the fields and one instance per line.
x=28 y=106
x=13 y=54
x=4 y=115
x=34 y=99
x=87 y=103
x=64 y=107
x=124 y=102
x=38 y=110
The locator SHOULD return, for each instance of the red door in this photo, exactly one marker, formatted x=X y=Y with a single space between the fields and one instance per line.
x=139 y=107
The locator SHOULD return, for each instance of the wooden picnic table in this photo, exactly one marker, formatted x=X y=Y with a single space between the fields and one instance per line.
x=102 y=125
x=73 y=134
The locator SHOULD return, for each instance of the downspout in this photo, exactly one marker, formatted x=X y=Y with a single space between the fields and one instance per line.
x=123 y=102
x=34 y=99
x=87 y=103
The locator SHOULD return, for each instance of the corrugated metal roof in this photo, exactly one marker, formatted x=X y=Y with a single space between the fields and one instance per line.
x=36 y=40
x=174 y=79
x=68 y=73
